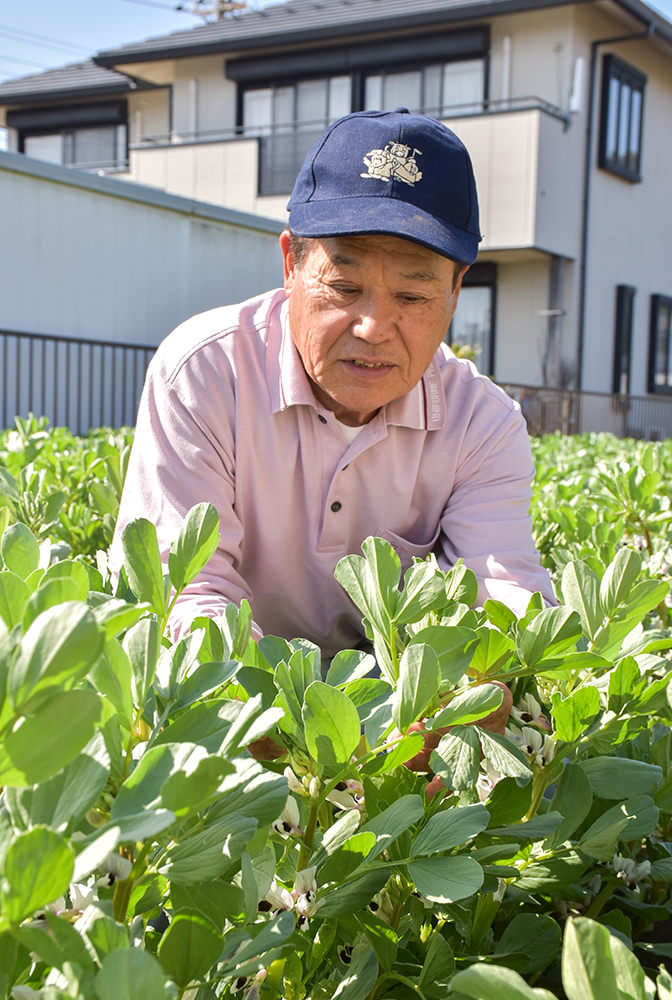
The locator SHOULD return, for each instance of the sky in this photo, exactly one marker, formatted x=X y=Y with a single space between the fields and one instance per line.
x=40 y=34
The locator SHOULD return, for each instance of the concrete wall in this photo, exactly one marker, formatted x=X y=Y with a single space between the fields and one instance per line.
x=106 y=261
x=99 y=258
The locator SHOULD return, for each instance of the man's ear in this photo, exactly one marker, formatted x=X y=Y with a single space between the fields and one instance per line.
x=288 y=263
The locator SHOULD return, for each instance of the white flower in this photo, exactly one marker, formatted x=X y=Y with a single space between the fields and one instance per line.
x=631 y=872
x=347 y=795
x=277 y=898
x=81 y=895
x=116 y=868
x=540 y=749
x=304 y=895
x=295 y=784
x=487 y=779
x=287 y=822
x=529 y=713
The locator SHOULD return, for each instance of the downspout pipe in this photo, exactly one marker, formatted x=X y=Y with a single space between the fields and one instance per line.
x=587 y=174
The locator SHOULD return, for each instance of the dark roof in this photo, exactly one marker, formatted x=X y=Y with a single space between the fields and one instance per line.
x=298 y=21
x=67 y=82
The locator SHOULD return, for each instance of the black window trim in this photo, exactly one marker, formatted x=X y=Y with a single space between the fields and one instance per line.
x=483 y=274
x=613 y=67
x=623 y=327
x=657 y=301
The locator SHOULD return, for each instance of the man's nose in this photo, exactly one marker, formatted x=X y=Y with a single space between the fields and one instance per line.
x=374 y=321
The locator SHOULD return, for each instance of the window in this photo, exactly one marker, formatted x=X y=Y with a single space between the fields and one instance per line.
x=660 y=344
x=439 y=90
x=90 y=135
x=473 y=322
x=625 y=301
x=86 y=148
x=621 y=118
x=443 y=74
x=288 y=119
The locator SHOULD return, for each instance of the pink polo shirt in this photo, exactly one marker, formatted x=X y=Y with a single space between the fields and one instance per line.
x=228 y=415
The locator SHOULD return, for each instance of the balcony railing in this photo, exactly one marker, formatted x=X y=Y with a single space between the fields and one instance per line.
x=77 y=383
x=573 y=412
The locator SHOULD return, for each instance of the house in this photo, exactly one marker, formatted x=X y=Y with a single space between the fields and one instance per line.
x=566 y=108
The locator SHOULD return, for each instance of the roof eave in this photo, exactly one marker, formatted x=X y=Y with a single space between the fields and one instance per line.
x=466 y=11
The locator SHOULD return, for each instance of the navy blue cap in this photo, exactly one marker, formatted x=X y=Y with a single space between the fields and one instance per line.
x=393 y=172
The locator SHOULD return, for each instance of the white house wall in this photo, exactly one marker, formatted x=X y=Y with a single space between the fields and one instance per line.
x=626 y=219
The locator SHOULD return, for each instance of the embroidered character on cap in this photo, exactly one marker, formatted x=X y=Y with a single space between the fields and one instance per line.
x=395 y=161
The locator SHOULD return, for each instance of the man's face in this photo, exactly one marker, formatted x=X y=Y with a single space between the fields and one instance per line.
x=367 y=314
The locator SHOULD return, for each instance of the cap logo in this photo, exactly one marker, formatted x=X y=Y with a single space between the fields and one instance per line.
x=394 y=162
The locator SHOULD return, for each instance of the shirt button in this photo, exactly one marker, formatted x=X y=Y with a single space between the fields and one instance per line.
x=321 y=418
x=336 y=506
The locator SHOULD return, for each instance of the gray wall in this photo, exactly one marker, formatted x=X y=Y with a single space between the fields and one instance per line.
x=93 y=258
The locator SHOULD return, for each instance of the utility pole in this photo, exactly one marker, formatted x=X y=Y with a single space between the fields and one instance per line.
x=213 y=9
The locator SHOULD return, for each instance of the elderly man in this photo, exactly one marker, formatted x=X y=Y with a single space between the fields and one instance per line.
x=318 y=414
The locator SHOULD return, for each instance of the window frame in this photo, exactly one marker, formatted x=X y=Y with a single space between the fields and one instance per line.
x=623 y=327
x=615 y=69
x=659 y=302
x=482 y=274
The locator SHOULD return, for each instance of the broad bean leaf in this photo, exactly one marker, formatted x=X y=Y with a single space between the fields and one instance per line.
x=467 y=706
x=208 y=853
x=417 y=686
x=141 y=645
x=551 y=632
x=450 y=828
x=572 y=799
x=360 y=978
x=195 y=543
x=446 y=880
x=495 y=982
x=37 y=869
x=454 y=648
x=57 y=651
x=142 y=563
x=41 y=743
x=61 y=801
x=619 y=579
x=573 y=714
x=189 y=947
x=130 y=973
x=581 y=591
x=331 y=724
x=393 y=821
x=535 y=937
x=424 y=590
x=20 y=550
x=588 y=971
x=620 y=777
x=456 y=758
x=14 y=595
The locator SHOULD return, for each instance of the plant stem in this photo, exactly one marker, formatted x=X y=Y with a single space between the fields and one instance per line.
x=602 y=897
x=538 y=789
x=308 y=834
x=121 y=899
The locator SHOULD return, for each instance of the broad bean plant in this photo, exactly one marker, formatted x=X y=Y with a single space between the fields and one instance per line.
x=218 y=816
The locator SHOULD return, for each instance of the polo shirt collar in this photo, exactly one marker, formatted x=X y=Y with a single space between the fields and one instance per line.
x=423 y=408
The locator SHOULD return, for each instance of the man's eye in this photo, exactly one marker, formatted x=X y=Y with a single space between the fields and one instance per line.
x=410 y=298
x=346 y=289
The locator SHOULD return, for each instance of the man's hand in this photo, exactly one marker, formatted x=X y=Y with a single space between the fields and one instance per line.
x=495 y=722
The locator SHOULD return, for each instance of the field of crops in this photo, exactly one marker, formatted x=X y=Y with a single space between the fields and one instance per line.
x=146 y=852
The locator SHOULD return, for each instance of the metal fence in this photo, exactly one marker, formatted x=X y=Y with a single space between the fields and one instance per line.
x=573 y=412
x=77 y=383
x=82 y=384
